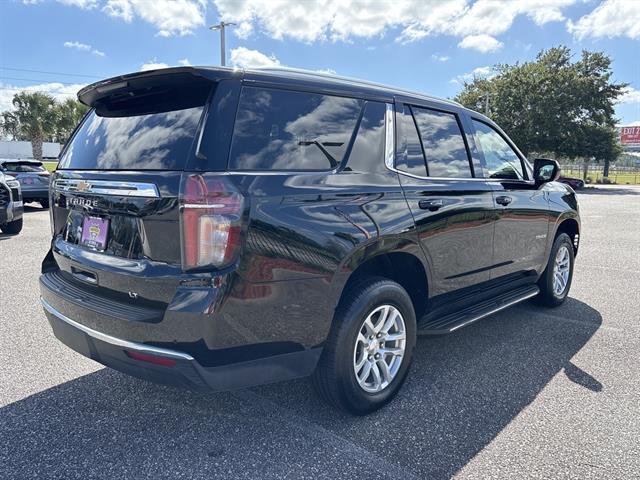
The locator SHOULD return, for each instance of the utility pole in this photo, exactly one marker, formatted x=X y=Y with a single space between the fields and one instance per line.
x=486 y=104
x=221 y=26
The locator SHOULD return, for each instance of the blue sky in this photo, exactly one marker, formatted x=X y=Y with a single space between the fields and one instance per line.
x=424 y=45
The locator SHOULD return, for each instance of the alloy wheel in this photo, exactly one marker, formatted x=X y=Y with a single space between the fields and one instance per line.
x=379 y=348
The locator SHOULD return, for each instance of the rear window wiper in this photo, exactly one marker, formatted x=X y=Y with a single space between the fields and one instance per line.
x=321 y=146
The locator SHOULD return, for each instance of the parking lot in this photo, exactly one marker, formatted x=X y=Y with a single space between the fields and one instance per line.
x=526 y=393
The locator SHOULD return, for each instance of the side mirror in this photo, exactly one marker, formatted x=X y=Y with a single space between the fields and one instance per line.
x=545 y=170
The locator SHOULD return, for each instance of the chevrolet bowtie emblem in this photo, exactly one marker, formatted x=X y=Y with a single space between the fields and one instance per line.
x=83 y=186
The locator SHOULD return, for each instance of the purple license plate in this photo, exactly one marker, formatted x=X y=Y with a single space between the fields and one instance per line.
x=94 y=232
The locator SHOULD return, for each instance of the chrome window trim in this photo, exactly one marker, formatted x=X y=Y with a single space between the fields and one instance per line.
x=107 y=187
x=281 y=172
x=389 y=141
x=138 y=347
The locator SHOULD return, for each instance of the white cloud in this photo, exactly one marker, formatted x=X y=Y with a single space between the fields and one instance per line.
x=336 y=19
x=153 y=65
x=245 y=58
x=630 y=95
x=612 y=18
x=482 y=43
x=242 y=57
x=170 y=17
x=440 y=58
x=344 y=19
x=479 y=72
x=84 y=4
x=184 y=62
x=57 y=90
x=83 y=47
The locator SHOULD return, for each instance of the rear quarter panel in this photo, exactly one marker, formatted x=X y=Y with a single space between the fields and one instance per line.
x=307 y=232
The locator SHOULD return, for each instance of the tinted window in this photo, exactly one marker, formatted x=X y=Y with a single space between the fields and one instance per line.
x=284 y=130
x=367 y=153
x=157 y=141
x=444 y=147
x=500 y=159
x=409 y=158
x=23 y=167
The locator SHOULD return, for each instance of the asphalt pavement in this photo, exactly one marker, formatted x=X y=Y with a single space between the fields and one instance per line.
x=526 y=393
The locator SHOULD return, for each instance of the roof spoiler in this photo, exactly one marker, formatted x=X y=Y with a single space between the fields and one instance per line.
x=94 y=93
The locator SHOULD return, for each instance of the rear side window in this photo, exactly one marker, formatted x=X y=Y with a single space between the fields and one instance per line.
x=286 y=130
x=500 y=159
x=154 y=141
x=443 y=144
x=410 y=158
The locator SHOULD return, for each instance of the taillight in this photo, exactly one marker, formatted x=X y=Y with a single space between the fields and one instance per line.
x=211 y=210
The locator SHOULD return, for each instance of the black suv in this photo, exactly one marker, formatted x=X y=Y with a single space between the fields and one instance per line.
x=216 y=229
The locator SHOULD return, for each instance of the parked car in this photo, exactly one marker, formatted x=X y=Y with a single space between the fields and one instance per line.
x=10 y=205
x=218 y=228
x=575 y=183
x=33 y=178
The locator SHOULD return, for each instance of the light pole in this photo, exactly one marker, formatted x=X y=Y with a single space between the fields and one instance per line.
x=221 y=27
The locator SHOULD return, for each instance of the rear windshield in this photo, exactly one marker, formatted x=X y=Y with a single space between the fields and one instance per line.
x=23 y=167
x=155 y=141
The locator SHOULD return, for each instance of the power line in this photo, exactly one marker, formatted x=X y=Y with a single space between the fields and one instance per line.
x=36 y=80
x=50 y=73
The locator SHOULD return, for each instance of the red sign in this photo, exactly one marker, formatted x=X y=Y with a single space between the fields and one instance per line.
x=630 y=135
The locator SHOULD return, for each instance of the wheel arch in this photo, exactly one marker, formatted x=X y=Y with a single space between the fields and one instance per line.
x=402 y=262
x=570 y=225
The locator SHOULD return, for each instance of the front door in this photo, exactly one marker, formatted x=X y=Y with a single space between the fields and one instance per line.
x=521 y=209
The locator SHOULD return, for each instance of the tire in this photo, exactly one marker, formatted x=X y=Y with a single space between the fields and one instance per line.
x=335 y=377
x=44 y=203
x=549 y=294
x=12 y=228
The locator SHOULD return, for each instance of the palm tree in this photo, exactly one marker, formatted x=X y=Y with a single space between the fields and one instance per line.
x=69 y=114
x=34 y=117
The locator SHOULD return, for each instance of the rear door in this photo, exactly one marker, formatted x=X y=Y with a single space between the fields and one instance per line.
x=451 y=207
x=522 y=210
x=115 y=209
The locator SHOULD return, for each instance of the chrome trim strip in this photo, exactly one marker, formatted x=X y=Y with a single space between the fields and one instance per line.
x=106 y=187
x=495 y=310
x=118 y=342
x=389 y=139
x=200 y=205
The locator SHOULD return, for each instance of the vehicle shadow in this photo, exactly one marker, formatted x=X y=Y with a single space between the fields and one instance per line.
x=464 y=389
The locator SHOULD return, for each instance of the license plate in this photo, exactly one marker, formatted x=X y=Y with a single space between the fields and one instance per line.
x=94 y=232
x=27 y=181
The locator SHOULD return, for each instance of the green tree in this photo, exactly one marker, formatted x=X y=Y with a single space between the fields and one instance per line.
x=34 y=118
x=553 y=104
x=69 y=114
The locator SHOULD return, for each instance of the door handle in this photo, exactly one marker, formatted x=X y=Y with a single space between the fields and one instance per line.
x=431 y=205
x=503 y=200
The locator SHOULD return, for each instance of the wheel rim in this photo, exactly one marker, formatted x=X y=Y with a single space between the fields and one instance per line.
x=379 y=348
x=561 y=270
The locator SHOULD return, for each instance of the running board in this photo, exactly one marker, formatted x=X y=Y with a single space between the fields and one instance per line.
x=454 y=321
